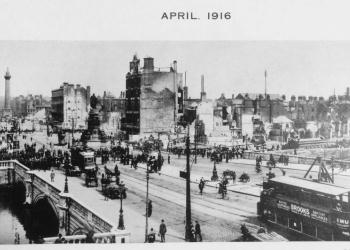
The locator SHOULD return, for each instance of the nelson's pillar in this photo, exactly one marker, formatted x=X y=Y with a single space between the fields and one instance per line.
x=7 y=106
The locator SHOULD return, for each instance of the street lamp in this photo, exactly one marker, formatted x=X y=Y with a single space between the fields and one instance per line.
x=66 y=180
x=195 y=140
x=186 y=120
x=68 y=204
x=121 y=218
x=146 y=215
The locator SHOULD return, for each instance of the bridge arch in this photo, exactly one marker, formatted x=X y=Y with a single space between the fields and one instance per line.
x=19 y=191
x=45 y=215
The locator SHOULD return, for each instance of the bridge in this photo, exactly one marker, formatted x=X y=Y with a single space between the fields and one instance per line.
x=72 y=217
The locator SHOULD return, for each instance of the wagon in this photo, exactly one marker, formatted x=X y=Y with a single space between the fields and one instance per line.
x=229 y=174
x=73 y=170
x=112 y=191
x=90 y=177
x=244 y=177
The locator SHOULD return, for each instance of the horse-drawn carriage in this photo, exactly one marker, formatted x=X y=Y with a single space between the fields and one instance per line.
x=90 y=177
x=114 y=191
x=244 y=178
x=73 y=170
x=229 y=174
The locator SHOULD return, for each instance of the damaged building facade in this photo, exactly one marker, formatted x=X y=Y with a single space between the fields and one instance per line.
x=153 y=99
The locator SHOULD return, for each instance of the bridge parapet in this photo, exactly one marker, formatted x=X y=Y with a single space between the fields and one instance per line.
x=108 y=238
x=74 y=216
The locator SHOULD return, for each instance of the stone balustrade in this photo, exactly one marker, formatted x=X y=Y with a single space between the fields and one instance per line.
x=81 y=216
x=115 y=237
x=293 y=158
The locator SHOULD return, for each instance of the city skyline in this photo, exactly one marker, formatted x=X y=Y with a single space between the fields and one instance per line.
x=229 y=67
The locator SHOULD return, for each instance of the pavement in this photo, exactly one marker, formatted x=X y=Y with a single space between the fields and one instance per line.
x=109 y=210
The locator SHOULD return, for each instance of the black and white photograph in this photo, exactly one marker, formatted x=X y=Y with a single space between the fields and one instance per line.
x=121 y=141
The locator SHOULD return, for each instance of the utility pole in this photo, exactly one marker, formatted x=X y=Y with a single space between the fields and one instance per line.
x=188 y=236
x=195 y=141
x=147 y=182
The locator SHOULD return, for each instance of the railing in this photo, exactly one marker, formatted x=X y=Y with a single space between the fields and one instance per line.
x=293 y=158
x=81 y=210
x=102 y=238
x=6 y=164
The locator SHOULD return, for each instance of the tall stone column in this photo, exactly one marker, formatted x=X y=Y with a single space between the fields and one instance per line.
x=7 y=77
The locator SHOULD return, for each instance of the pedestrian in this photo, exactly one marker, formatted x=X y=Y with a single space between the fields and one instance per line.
x=151 y=237
x=168 y=158
x=52 y=175
x=60 y=239
x=197 y=232
x=117 y=174
x=149 y=208
x=17 y=239
x=201 y=185
x=162 y=231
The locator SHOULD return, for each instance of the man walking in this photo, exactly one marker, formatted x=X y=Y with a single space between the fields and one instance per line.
x=162 y=231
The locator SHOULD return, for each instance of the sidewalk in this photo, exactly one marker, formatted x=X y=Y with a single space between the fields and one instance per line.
x=94 y=200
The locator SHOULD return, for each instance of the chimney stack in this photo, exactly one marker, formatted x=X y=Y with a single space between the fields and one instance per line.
x=148 y=64
x=175 y=65
x=203 y=94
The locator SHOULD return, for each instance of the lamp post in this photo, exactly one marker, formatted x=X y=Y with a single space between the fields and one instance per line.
x=66 y=181
x=68 y=204
x=146 y=215
x=188 y=236
x=195 y=141
x=121 y=218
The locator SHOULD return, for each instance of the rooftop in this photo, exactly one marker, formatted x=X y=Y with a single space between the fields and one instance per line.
x=320 y=187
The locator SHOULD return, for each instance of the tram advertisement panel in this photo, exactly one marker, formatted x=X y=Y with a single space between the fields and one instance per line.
x=304 y=211
x=300 y=210
x=283 y=205
x=342 y=222
x=318 y=215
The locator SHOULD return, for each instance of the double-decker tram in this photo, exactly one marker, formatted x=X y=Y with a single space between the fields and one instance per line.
x=311 y=209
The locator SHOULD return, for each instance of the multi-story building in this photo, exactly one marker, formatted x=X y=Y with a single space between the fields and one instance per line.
x=69 y=106
x=23 y=106
x=153 y=98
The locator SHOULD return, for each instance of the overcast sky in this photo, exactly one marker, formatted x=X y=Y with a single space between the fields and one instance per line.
x=230 y=67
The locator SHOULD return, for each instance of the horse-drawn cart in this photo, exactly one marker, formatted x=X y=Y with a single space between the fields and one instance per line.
x=114 y=191
x=91 y=177
x=244 y=178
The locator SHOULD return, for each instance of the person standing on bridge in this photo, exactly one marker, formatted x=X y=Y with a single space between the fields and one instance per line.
x=52 y=175
x=117 y=174
x=197 y=232
x=162 y=231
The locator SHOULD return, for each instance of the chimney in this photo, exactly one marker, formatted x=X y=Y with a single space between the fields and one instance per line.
x=202 y=83
x=175 y=65
x=233 y=96
x=203 y=94
x=148 y=65
x=185 y=93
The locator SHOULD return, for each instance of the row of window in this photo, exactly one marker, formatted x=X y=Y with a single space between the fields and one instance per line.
x=302 y=225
